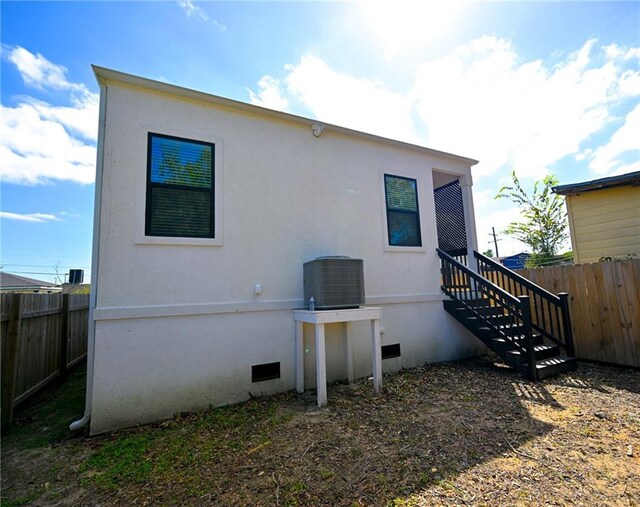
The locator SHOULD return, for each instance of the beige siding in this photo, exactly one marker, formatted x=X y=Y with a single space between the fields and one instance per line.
x=605 y=223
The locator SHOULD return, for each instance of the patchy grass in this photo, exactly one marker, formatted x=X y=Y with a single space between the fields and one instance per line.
x=45 y=419
x=175 y=452
x=470 y=433
x=38 y=450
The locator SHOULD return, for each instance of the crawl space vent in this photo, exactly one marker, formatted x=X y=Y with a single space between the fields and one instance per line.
x=266 y=371
x=389 y=351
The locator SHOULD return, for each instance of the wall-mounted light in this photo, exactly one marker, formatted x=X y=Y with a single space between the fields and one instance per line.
x=317 y=129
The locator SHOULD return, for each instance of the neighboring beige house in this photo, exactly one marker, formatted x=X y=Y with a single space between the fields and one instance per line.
x=604 y=217
x=206 y=210
x=15 y=283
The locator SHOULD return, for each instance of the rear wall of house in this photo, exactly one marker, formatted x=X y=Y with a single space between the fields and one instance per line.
x=605 y=223
x=178 y=326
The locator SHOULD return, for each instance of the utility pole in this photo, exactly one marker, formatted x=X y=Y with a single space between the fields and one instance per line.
x=495 y=240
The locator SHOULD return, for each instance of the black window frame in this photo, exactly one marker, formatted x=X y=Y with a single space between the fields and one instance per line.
x=400 y=210
x=151 y=184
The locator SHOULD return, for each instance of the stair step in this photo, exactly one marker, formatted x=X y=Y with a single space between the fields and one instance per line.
x=553 y=366
x=483 y=309
x=495 y=318
x=470 y=299
x=548 y=360
x=541 y=352
x=482 y=325
x=504 y=345
x=513 y=330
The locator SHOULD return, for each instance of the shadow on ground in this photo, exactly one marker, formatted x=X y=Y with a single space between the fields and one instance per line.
x=430 y=426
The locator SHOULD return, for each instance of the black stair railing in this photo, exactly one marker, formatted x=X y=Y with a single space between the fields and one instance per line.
x=549 y=313
x=486 y=301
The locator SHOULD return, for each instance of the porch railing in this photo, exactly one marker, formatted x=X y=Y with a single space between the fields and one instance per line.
x=506 y=316
x=549 y=313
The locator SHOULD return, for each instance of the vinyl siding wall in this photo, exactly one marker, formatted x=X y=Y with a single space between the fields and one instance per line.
x=605 y=223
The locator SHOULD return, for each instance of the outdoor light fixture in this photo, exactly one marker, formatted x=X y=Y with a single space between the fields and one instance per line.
x=317 y=129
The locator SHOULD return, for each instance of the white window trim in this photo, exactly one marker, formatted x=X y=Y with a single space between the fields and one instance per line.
x=141 y=188
x=421 y=207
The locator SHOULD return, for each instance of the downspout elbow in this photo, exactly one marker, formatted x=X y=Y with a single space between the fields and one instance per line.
x=81 y=423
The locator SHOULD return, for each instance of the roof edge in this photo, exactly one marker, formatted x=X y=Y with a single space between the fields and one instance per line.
x=104 y=76
x=11 y=280
x=631 y=179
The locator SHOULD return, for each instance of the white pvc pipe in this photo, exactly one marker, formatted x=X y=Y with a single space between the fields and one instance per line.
x=91 y=334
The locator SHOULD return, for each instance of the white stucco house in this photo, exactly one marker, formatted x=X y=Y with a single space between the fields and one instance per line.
x=207 y=208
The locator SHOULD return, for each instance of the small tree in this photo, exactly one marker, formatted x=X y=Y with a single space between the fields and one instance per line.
x=488 y=252
x=545 y=220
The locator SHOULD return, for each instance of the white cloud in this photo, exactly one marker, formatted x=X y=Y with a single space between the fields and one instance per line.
x=606 y=159
x=616 y=52
x=629 y=83
x=626 y=169
x=482 y=100
x=42 y=142
x=269 y=95
x=29 y=217
x=349 y=101
x=80 y=118
x=220 y=26
x=39 y=72
x=522 y=115
x=69 y=214
x=192 y=10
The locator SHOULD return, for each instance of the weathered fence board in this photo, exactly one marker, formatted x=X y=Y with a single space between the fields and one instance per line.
x=78 y=326
x=605 y=307
x=42 y=336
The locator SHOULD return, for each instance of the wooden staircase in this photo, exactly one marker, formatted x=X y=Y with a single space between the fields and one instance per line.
x=531 y=332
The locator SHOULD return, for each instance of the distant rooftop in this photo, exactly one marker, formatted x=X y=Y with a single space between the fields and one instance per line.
x=631 y=179
x=11 y=281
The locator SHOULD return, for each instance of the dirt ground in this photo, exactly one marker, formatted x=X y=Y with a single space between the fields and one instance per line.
x=465 y=433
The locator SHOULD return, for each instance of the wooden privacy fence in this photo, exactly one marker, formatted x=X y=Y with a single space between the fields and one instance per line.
x=604 y=306
x=43 y=335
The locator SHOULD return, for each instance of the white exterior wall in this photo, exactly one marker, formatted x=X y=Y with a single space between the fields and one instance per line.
x=177 y=326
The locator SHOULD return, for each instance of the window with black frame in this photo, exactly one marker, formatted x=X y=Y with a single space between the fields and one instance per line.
x=403 y=216
x=180 y=187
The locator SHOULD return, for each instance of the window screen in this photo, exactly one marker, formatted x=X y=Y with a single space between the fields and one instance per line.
x=403 y=217
x=180 y=179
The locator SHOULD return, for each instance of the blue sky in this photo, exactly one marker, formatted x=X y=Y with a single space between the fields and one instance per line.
x=533 y=86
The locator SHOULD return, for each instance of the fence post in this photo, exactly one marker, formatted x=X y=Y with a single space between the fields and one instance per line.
x=525 y=306
x=64 y=336
x=566 y=323
x=9 y=361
